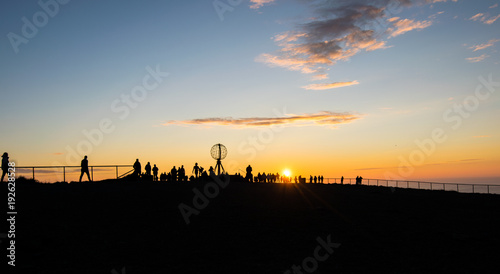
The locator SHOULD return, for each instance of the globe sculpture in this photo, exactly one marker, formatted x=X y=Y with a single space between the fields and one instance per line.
x=218 y=152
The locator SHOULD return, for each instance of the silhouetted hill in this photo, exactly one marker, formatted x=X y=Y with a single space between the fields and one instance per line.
x=253 y=228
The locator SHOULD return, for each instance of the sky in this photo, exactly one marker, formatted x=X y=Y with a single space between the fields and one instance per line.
x=390 y=89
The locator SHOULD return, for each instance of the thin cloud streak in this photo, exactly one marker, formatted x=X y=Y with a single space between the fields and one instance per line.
x=485 y=45
x=256 y=4
x=330 y=85
x=322 y=118
x=477 y=59
x=484 y=18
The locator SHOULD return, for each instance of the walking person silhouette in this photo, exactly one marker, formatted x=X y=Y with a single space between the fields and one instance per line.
x=85 y=168
x=5 y=164
x=137 y=168
x=196 y=169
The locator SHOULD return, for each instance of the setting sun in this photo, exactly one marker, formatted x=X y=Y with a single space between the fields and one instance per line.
x=287 y=173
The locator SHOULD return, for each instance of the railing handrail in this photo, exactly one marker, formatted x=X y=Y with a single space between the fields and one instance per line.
x=72 y=166
x=366 y=181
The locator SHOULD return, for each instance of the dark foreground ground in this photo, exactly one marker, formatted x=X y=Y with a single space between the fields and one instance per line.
x=123 y=227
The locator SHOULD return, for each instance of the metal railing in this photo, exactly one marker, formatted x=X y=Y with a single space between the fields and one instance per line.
x=419 y=184
x=63 y=169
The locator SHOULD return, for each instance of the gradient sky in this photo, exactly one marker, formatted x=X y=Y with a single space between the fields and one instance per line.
x=318 y=87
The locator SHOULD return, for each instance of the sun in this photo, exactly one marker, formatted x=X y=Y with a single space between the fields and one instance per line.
x=287 y=173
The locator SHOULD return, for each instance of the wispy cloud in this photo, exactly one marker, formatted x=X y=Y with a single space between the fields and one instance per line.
x=477 y=59
x=330 y=85
x=406 y=25
x=493 y=6
x=337 y=31
x=485 y=45
x=259 y=3
x=57 y=153
x=484 y=18
x=327 y=118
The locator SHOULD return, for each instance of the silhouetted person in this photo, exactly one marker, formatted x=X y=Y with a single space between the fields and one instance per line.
x=249 y=175
x=310 y=179
x=155 y=173
x=182 y=173
x=137 y=168
x=5 y=164
x=342 y=180
x=211 y=171
x=148 y=169
x=360 y=180
x=315 y=179
x=322 y=179
x=85 y=168
x=196 y=169
x=173 y=174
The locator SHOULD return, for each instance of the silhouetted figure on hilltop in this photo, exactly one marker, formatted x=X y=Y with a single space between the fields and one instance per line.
x=310 y=179
x=137 y=168
x=211 y=171
x=173 y=174
x=315 y=179
x=155 y=173
x=182 y=173
x=85 y=168
x=322 y=178
x=342 y=180
x=196 y=169
x=249 y=175
x=5 y=164
x=148 y=169
x=357 y=180
x=360 y=180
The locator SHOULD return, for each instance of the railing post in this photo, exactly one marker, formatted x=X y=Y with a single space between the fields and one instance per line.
x=64 y=174
x=472 y=188
x=488 y=188
x=33 y=173
x=92 y=168
x=431 y=186
x=116 y=172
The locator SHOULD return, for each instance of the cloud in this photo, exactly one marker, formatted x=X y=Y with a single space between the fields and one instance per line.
x=485 y=45
x=494 y=6
x=320 y=118
x=477 y=59
x=58 y=153
x=337 y=31
x=406 y=25
x=484 y=18
x=259 y=3
x=330 y=85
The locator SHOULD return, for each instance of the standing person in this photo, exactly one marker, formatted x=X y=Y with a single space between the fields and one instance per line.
x=155 y=173
x=137 y=168
x=360 y=180
x=249 y=175
x=173 y=173
x=5 y=164
x=182 y=173
x=342 y=180
x=148 y=169
x=85 y=168
x=315 y=179
x=196 y=169
x=310 y=179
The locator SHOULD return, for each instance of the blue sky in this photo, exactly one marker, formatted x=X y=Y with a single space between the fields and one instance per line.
x=397 y=85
